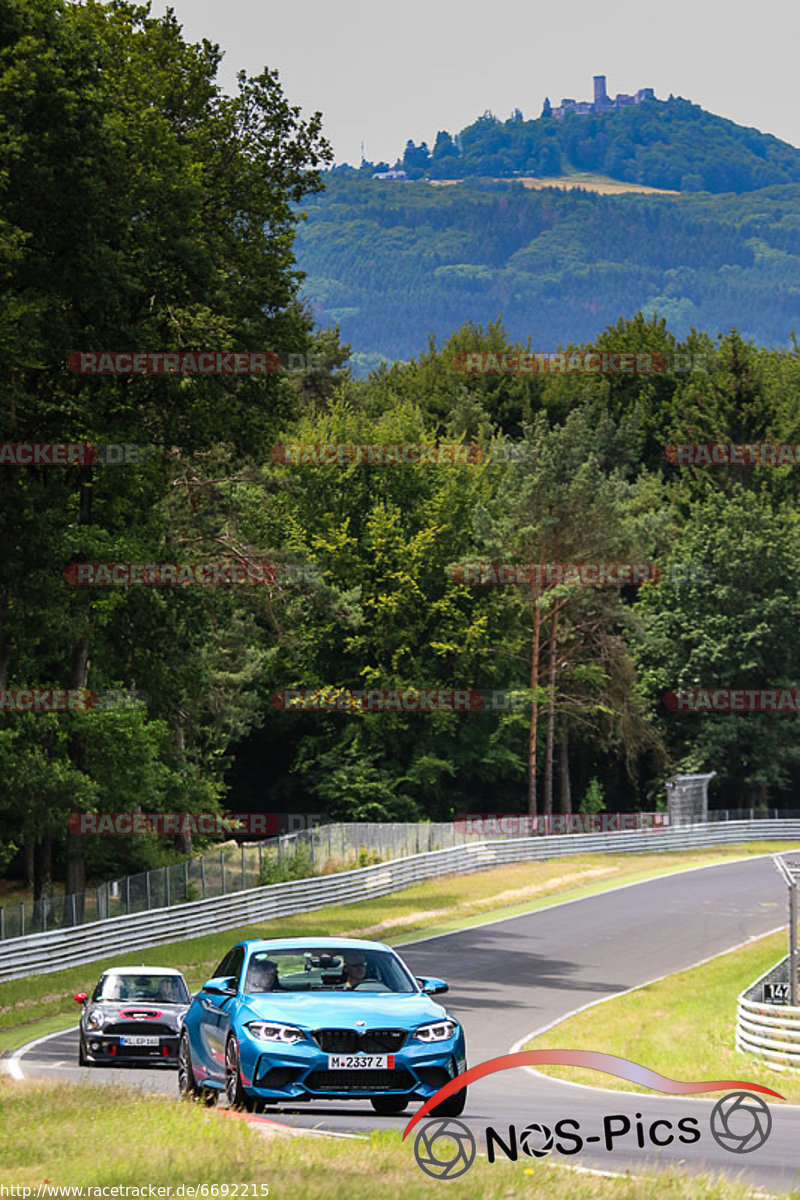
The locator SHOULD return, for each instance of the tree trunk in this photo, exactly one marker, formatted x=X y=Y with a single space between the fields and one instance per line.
x=565 y=788
x=42 y=877
x=183 y=840
x=534 y=727
x=28 y=847
x=551 y=717
x=75 y=878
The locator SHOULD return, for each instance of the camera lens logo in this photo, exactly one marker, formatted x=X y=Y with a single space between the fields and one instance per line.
x=536 y=1141
x=741 y=1122
x=444 y=1149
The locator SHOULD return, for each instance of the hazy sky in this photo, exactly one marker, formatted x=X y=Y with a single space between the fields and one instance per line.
x=383 y=72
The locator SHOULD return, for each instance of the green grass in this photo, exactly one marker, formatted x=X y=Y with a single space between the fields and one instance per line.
x=682 y=1026
x=87 y=1136
x=20 y=1035
x=438 y=905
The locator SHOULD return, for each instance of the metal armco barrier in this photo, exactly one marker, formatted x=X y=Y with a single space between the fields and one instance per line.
x=42 y=953
x=770 y=1031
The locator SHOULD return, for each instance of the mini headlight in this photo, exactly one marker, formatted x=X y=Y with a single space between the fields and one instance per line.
x=438 y=1032
x=94 y=1018
x=271 y=1031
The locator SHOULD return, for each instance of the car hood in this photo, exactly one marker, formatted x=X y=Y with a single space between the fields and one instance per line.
x=342 y=1010
x=127 y=1010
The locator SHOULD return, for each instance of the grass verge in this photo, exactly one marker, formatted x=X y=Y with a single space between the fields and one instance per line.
x=84 y=1136
x=682 y=1026
x=436 y=906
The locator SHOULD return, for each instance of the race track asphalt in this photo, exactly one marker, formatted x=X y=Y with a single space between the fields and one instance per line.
x=512 y=977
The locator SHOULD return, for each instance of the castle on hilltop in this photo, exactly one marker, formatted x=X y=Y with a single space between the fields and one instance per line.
x=602 y=103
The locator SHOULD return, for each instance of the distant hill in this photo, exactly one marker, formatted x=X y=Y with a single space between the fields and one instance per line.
x=671 y=144
x=393 y=262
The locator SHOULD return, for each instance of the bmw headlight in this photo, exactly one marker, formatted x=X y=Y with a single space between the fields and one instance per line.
x=94 y=1018
x=271 y=1031
x=440 y=1031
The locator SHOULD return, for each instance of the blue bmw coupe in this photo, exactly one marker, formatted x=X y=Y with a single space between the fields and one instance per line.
x=293 y=1019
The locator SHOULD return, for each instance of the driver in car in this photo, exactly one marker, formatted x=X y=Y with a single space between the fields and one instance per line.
x=263 y=976
x=355 y=968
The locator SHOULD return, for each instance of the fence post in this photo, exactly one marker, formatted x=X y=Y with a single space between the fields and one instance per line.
x=74 y=917
x=22 y=919
x=44 y=914
x=203 y=873
x=166 y=886
x=128 y=894
x=222 y=869
x=244 y=870
x=148 y=891
x=793 y=943
x=2 y=924
x=186 y=878
x=312 y=845
x=98 y=893
x=260 y=853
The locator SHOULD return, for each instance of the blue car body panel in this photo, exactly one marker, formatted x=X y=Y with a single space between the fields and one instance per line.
x=339 y=1022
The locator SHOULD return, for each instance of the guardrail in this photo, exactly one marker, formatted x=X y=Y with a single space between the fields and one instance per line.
x=769 y=1031
x=42 y=953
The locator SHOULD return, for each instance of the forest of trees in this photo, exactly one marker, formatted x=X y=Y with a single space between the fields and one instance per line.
x=557 y=265
x=662 y=143
x=173 y=230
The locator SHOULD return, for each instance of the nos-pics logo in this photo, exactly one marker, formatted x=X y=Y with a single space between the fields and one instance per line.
x=445 y=1148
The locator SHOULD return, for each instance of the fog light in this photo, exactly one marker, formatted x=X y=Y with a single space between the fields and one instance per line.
x=95 y=1045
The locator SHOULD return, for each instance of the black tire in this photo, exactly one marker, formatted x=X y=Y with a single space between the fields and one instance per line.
x=237 y=1096
x=389 y=1106
x=187 y=1084
x=83 y=1061
x=453 y=1106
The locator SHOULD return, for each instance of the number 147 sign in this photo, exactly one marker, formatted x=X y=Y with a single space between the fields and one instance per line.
x=776 y=993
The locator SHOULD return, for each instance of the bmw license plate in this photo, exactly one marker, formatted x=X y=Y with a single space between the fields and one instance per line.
x=360 y=1062
x=139 y=1041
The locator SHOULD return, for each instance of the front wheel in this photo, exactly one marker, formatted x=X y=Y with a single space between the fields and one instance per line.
x=187 y=1084
x=83 y=1061
x=388 y=1106
x=453 y=1106
x=237 y=1096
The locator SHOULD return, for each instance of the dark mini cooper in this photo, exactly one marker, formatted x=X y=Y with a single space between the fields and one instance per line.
x=134 y=1016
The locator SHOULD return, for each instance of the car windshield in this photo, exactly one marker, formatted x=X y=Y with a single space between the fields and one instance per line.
x=155 y=989
x=335 y=971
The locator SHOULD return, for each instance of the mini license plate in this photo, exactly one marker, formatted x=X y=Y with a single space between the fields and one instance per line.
x=139 y=1041
x=360 y=1062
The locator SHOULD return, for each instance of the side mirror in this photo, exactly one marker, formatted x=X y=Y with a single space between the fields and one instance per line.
x=222 y=985
x=80 y=997
x=433 y=987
